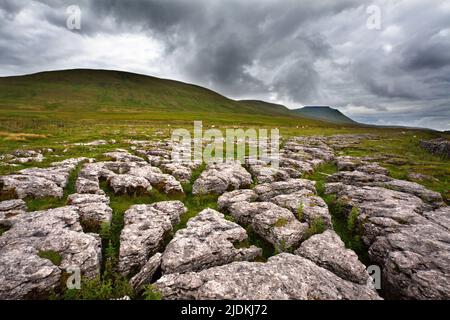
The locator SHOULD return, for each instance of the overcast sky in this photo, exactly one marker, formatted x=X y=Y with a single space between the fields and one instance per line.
x=294 y=52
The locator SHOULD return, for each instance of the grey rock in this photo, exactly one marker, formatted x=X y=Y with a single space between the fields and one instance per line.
x=12 y=208
x=128 y=184
x=268 y=191
x=267 y=174
x=328 y=251
x=416 y=189
x=22 y=186
x=283 y=277
x=123 y=156
x=145 y=276
x=229 y=198
x=145 y=229
x=412 y=250
x=275 y=224
x=440 y=146
x=77 y=199
x=25 y=275
x=84 y=185
x=306 y=205
x=207 y=241
x=219 y=178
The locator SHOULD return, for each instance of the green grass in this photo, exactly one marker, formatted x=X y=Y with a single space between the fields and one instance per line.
x=151 y=293
x=401 y=154
x=51 y=255
x=51 y=203
x=343 y=224
x=317 y=226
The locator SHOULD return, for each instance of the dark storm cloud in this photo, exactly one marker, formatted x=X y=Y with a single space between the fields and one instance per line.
x=290 y=51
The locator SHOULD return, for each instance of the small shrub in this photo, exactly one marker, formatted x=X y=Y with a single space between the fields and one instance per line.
x=152 y=293
x=51 y=255
x=352 y=219
x=300 y=212
x=317 y=226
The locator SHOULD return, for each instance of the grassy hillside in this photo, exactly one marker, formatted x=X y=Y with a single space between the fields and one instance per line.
x=325 y=114
x=113 y=91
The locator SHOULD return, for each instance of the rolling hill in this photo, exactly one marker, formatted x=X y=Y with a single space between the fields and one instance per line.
x=110 y=91
x=91 y=94
x=324 y=113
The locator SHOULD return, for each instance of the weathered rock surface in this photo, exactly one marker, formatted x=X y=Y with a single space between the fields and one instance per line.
x=229 y=198
x=123 y=156
x=347 y=163
x=267 y=174
x=23 y=274
x=126 y=177
x=24 y=156
x=413 y=251
x=128 y=184
x=306 y=206
x=328 y=251
x=439 y=146
x=12 y=208
x=145 y=276
x=93 y=209
x=359 y=178
x=275 y=224
x=146 y=227
x=207 y=241
x=283 y=277
x=219 y=178
x=267 y=191
x=39 y=182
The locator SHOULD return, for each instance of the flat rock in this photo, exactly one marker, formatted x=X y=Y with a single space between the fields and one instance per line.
x=219 y=178
x=283 y=277
x=268 y=191
x=267 y=174
x=208 y=240
x=413 y=251
x=307 y=206
x=144 y=232
x=328 y=251
x=123 y=156
x=229 y=198
x=22 y=186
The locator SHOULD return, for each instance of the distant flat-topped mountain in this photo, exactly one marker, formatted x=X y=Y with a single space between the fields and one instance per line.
x=324 y=113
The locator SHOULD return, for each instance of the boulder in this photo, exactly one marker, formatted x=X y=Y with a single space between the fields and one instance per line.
x=268 y=191
x=440 y=146
x=276 y=225
x=128 y=184
x=219 y=178
x=229 y=198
